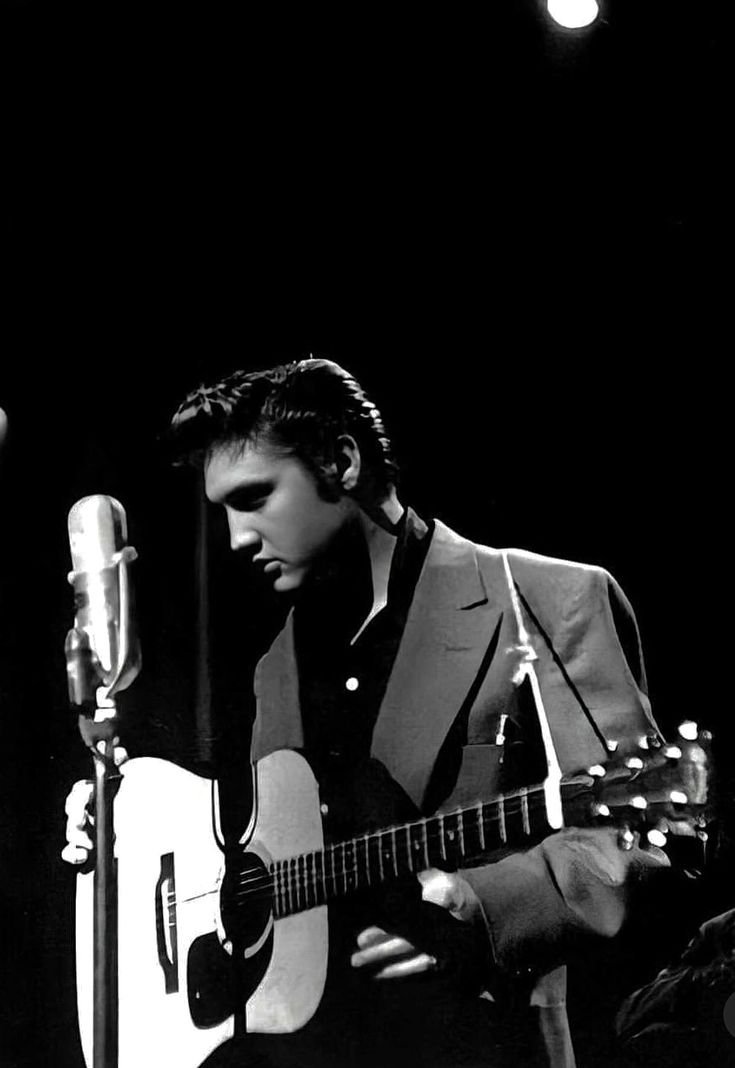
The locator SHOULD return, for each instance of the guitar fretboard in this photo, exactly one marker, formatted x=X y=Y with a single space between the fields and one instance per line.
x=449 y=840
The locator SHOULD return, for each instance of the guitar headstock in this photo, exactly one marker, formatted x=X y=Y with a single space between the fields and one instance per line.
x=659 y=788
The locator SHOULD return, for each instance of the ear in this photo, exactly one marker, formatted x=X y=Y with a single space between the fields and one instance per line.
x=349 y=462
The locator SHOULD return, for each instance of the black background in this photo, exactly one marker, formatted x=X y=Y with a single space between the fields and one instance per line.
x=516 y=237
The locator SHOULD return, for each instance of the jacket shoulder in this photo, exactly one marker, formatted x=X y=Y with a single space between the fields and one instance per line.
x=537 y=568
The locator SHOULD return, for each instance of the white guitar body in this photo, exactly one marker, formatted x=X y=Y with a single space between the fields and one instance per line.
x=169 y=869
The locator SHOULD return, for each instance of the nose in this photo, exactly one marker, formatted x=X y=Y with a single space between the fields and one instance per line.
x=242 y=533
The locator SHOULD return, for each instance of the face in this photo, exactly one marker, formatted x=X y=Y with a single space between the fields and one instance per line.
x=274 y=510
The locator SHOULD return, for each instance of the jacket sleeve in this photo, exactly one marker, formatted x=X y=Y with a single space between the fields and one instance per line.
x=538 y=906
x=541 y=904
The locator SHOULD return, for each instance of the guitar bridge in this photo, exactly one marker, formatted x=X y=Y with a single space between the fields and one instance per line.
x=166 y=935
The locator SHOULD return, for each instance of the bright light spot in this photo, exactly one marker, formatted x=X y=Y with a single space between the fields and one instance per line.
x=657 y=838
x=573 y=14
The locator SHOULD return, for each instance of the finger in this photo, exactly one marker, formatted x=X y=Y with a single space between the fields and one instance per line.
x=451 y=892
x=370 y=936
x=415 y=965
x=78 y=837
x=74 y=855
x=682 y=827
x=439 y=888
x=389 y=949
x=120 y=755
x=77 y=800
x=119 y=752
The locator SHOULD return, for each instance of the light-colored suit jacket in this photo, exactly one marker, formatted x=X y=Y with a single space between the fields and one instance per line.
x=458 y=653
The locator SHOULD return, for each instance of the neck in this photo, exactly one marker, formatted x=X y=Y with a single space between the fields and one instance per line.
x=377 y=528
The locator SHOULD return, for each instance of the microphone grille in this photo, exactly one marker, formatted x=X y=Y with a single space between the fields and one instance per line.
x=97 y=530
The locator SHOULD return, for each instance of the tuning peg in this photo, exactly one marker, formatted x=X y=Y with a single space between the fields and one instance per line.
x=678 y=797
x=612 y=745
x=657 y=838
x=634 y=763
x=626 y=838
x=638 y=802
x=672 y=752
x=596 y=771
x=688 y=730
x=601 y=810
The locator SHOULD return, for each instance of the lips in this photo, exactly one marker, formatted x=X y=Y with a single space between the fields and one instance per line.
x=271 y=565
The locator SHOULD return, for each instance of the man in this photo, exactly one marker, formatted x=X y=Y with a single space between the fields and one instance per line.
x=398 y=675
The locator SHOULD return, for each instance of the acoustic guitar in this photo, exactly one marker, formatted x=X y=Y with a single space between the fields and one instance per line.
x=189 y=911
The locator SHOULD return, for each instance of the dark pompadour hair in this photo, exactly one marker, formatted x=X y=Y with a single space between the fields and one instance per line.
x=302 y=408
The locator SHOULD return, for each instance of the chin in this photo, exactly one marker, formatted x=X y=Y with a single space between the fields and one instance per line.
x=289 y=579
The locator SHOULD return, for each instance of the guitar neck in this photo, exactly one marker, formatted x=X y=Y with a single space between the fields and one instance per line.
x=450 y=840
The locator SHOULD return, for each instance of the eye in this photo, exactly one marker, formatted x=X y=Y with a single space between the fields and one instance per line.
x=249 y=500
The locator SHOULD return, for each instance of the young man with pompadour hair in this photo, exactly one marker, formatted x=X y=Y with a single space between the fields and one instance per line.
x=412 y=673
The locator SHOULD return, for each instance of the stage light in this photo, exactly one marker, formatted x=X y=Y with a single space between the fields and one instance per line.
x=573 y=14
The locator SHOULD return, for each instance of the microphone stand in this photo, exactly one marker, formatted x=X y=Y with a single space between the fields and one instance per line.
x=98 y=728
x=98 y=734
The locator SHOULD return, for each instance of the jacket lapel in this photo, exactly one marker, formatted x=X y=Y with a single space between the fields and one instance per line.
x=276 y=685
x=451 y=622
x=450 y=625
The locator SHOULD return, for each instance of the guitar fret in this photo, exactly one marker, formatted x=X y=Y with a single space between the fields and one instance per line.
x=380 y=856
x=501 y=820
x=294 y=884
x=315 y=885
x=441 y=836
x=425 y=837
x=338 y=858
x=524 y=811
x=308 y=880
x=366 y=840
x=345 y=864
x=329 y=878
x=460 y=828
x=321 y=890
x=409 y=852
x=481 y=825
x=393 y=850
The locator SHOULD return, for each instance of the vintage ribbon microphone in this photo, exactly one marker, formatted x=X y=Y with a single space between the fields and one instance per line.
x=102 y=658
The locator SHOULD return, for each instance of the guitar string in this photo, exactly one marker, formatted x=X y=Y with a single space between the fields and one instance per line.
x=294 y=881
x=263 y=883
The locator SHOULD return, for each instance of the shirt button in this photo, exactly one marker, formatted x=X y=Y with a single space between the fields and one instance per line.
x=324 y=809
x=351 y=683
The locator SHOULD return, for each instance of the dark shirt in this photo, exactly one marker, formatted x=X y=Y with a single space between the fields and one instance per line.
x=342 y=682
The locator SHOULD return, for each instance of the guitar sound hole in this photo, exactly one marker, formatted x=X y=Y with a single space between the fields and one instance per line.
x=246 y=899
